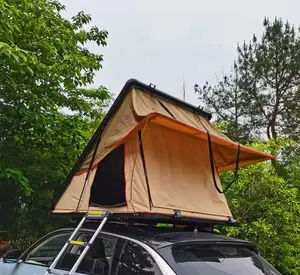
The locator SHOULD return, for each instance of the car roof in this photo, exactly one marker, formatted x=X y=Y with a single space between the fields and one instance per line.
x=159 y=237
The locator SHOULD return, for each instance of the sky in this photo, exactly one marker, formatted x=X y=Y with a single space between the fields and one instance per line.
x=166 y=42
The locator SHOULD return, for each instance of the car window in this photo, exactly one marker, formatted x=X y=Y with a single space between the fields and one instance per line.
x=130 y=258
x=216 y=260
x=98 y=259
x=45 y=252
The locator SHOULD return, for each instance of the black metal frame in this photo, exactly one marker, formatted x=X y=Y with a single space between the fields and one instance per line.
x=153 y=218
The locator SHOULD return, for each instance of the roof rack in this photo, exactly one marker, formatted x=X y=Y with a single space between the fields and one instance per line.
x=150 y=218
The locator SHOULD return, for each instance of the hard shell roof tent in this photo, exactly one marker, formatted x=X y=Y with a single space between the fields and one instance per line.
x=154 y=154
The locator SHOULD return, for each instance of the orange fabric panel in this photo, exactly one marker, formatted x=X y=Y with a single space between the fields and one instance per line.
x=144 y=104
x=136 y=186
x=225 y=151
x=118 y=127
x=179 y=173
x=70 y=198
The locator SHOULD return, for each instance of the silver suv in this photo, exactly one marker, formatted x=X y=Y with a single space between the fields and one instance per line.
x=146 y=250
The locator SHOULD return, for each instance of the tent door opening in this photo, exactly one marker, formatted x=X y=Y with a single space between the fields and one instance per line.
x=108 y=188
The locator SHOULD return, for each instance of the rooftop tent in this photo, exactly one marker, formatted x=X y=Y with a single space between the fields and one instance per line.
x=154 y=154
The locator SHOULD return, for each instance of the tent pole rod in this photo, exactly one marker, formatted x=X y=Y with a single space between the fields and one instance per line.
x=212 y=165
x=145 y=169
x=89 y=170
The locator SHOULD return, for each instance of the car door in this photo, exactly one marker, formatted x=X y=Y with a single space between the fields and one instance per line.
x=130 y=258
x=37 y=259
x=98 y=259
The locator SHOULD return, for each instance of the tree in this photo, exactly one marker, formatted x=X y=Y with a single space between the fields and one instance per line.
x=46 y=111
x=266 y=82
x=289 y=166
x=268 y=210
x=228 y=105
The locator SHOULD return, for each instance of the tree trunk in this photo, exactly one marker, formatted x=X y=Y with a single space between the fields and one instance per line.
x=273 y=130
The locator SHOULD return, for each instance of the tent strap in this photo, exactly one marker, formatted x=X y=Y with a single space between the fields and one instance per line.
x=166 y=109
x=212 y=165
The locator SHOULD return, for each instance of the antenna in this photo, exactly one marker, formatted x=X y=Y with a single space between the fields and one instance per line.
x=183 y=88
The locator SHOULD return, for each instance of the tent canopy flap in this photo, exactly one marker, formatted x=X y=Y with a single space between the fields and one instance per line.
x=152 y=150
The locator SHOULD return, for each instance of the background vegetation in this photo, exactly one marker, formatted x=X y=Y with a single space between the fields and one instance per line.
x=47 y=115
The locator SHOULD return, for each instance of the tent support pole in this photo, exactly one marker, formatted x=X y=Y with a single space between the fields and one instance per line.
x=166 y=109
x=89 y=171
x=145 y=169
x=212 y=165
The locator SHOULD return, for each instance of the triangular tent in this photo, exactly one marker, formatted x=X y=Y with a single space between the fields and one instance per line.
x=151 y=154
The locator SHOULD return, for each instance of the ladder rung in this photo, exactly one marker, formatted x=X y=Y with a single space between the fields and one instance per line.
x=80 y=243
x=96 y=214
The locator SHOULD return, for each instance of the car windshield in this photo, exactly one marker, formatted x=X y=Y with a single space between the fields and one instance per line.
x=216 y=260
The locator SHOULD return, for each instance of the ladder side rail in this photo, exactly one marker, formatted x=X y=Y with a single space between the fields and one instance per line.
x=52 y=266
x=80 y=258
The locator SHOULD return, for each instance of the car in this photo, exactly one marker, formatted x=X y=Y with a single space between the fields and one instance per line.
x=125 y=249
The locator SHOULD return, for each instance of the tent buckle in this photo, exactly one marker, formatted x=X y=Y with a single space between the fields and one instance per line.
x=152 y=86
x=231 y=220
x=177 y=214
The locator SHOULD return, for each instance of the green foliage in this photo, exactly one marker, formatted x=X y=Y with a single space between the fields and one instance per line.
x=46 y=111
x=289 y=167
x=227 y=103
x=17 y=177
x=268 y=210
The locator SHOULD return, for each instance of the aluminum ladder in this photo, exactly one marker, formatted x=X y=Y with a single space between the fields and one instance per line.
x=92 y=215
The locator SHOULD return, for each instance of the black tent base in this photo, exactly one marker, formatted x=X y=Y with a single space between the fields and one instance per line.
x=153 y=219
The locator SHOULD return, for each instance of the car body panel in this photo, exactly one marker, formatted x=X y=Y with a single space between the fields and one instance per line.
x=21 y=268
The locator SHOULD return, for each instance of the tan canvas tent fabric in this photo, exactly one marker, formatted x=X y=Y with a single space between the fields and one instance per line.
x=151 y=155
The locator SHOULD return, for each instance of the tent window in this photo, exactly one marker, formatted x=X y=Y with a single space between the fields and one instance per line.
x=108 y=188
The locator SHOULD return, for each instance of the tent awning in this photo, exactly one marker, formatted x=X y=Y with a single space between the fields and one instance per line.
x=225 y=150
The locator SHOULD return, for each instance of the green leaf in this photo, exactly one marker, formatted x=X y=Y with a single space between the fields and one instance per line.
x=23 y=56
x=16 y=27
x=30 y=70
x=16 y=57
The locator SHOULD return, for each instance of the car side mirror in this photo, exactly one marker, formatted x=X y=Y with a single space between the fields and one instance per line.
x=12 y=256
